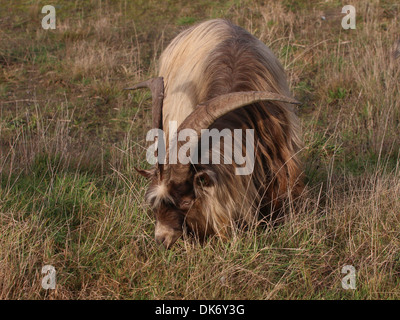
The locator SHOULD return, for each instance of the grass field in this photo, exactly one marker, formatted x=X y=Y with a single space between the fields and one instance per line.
x=70 y=137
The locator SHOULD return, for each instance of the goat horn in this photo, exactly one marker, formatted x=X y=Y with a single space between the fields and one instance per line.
x=156 y=85
x=204 y=115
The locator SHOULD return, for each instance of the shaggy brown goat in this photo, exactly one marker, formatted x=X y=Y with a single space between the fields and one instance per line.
x=216 y=75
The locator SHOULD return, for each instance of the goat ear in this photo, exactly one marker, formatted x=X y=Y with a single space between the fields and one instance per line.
x=204 y=179
x=145 y=173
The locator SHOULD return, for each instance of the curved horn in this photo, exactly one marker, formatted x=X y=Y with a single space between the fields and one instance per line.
x=204 y=115
x=156 y=85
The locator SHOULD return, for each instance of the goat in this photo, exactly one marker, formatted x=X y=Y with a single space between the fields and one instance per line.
x=216 y=75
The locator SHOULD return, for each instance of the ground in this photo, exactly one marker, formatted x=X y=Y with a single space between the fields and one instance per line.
x=70 y=137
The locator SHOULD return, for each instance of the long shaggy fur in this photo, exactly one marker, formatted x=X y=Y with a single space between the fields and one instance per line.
x=215 y=58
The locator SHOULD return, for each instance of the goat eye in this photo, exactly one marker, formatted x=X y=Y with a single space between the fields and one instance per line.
x=186 y=203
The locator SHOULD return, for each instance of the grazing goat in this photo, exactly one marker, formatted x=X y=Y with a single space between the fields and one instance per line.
x=216 y=75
